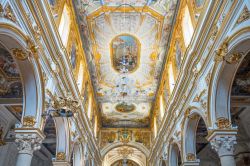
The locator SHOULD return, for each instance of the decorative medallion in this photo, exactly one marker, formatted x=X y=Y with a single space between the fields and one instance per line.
x=125 y=53
x=125 y=107
x=124 y=136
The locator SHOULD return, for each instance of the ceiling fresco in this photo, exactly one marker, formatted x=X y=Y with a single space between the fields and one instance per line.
x=10 y=81
x=125 y=45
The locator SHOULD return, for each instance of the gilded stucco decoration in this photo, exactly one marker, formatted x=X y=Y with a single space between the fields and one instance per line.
x=190 y=157
x=60 y=156
x=9 y=14
x=29 y=121
x=245 y=15
x=221 y=52
x=223 y=123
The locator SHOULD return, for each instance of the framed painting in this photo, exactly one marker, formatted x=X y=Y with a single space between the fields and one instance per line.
x=125 y=53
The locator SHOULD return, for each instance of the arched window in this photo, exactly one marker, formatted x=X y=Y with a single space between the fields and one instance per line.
x=171 y=77
x=187 y=26
x=155 y=126
x=89 y=107
x=80 y=77
x=64 y=25
x=161 y=107
x=96 y=126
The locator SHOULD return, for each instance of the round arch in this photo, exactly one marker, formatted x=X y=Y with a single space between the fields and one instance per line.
x=77 y=154
x=120 y=152
x=136 y=145
x=224 y=73
x=17 y=43
x=189 y=133
x=174 y=152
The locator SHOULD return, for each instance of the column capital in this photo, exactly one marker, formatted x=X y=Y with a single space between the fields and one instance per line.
x=27 y=140
x=223 y=141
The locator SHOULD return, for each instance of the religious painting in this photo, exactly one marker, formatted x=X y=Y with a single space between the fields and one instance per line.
x=125 y=51
x=125 y=107
x=7 y=64
x=10 y=81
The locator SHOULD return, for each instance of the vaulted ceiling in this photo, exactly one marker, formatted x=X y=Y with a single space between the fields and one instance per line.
x=125 y=42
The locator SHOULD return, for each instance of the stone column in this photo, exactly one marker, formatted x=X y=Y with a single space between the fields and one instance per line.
x=223 y=143
x=27 y=142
